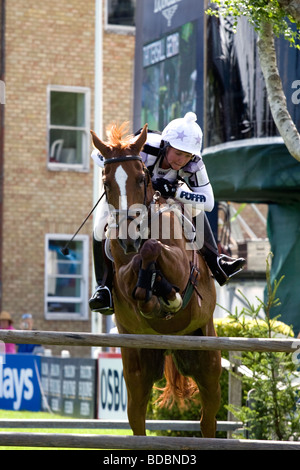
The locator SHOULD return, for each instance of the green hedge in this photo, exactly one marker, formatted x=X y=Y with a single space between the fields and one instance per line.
x=226 y=327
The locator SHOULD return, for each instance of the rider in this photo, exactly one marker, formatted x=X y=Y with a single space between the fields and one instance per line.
x=177 y=171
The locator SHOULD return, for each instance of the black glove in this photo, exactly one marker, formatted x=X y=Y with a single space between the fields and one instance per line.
x=165 y=188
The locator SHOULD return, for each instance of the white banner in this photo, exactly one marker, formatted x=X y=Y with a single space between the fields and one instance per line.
x=112 y=393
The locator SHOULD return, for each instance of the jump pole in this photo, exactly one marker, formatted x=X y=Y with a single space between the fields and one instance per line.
x=209 y=343
x=92 y=441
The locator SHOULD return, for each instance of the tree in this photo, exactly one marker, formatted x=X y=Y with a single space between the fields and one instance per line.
x=270 y=19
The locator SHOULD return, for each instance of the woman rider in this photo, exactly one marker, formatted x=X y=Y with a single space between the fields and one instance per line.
x=173 y=159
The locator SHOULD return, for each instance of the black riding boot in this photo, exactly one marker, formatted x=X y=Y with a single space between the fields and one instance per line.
x=223 y=267
x=101 y=300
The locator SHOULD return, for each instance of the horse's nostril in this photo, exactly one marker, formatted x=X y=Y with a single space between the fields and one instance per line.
x=130 y=246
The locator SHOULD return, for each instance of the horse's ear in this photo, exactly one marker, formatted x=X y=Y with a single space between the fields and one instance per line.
x=104 y=149
x=141 y=140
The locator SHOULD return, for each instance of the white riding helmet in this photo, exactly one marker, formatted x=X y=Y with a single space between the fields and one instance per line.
x=184 y=134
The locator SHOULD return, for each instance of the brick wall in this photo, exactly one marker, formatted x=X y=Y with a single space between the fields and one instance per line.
x=118 y=70
x=49 y=43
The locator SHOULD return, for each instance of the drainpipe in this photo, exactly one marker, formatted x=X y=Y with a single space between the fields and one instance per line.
x=2 y=101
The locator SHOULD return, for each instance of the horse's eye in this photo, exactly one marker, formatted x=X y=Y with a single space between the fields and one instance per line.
x=141 y=180
x=106 y=185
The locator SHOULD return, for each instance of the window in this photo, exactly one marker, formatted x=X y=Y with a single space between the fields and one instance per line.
x=66 y=278
x=121 y=14
x=68 y=128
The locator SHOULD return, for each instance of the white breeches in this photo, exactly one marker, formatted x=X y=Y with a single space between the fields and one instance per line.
x=101 y=219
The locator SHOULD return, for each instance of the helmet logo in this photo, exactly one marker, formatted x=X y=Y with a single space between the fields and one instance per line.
x=181 y=136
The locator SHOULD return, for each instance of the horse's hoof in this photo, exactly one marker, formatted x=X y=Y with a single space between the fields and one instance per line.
x=171 y=306
x=151 y=309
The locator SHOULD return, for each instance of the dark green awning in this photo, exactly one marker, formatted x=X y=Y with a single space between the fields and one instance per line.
x=266 y=173
x=262 y=172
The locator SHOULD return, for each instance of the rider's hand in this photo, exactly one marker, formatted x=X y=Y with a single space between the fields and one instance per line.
x=165 y=188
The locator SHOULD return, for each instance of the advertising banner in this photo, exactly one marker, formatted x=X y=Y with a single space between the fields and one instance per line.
x=112 y=399
x=69 y=386
x=19 y=382
x=162 y=16
x=169 y=61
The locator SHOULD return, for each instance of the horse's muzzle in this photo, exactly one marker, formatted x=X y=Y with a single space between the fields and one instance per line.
x=129 y=245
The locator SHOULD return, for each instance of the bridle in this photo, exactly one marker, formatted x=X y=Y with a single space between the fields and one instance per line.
x=129 y=158
x=65 y=249
x=124 y=214
x=155 y=198
x=123 y=159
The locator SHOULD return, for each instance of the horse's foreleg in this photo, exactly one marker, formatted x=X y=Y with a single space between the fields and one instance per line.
x=148 y=303
x=170 y=300
x=141 y=369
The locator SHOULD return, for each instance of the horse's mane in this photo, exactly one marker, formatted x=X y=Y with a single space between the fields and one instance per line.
x=118 y=136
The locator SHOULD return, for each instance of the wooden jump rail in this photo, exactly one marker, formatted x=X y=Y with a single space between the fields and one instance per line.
x=151 y=425
x=149 y=342
x=54 y=338
x=92 y=441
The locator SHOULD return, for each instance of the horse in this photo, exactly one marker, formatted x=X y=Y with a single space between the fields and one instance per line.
x=151 y=276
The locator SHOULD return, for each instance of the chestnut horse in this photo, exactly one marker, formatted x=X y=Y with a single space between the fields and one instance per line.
x=146 y=300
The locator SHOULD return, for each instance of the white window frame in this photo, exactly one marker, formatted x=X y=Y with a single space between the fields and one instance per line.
x=117 y=28
x=83 y=300
x=85 y=165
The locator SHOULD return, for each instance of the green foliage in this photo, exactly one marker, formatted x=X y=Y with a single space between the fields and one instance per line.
x=258 y=12
x=270 y=411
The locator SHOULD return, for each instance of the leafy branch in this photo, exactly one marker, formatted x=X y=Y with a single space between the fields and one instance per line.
x=259 y=12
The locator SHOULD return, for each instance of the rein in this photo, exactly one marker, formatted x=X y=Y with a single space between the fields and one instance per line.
x=65 y=250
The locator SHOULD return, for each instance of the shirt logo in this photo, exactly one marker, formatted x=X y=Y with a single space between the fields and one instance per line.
x=193 y=196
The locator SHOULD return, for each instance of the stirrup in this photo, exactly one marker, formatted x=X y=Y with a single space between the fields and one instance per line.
x=104 y=310
x=220 y=270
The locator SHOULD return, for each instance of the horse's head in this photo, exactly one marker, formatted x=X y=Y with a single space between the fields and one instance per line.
x=126 y=183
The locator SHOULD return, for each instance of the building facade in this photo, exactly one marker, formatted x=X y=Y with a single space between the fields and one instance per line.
x=48 y=67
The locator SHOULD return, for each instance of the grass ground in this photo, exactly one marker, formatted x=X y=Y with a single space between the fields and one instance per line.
x=30 y=415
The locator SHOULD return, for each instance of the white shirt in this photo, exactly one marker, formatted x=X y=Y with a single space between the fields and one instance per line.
x=193 y=183
x=193 y=186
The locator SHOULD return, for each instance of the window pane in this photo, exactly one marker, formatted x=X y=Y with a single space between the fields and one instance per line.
x=61 y=269
x=61 y=307
x=66 y=146
x=67 y=109
x=64 y=287
x=69 y=267
x=121 y=12
x=75 y=255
